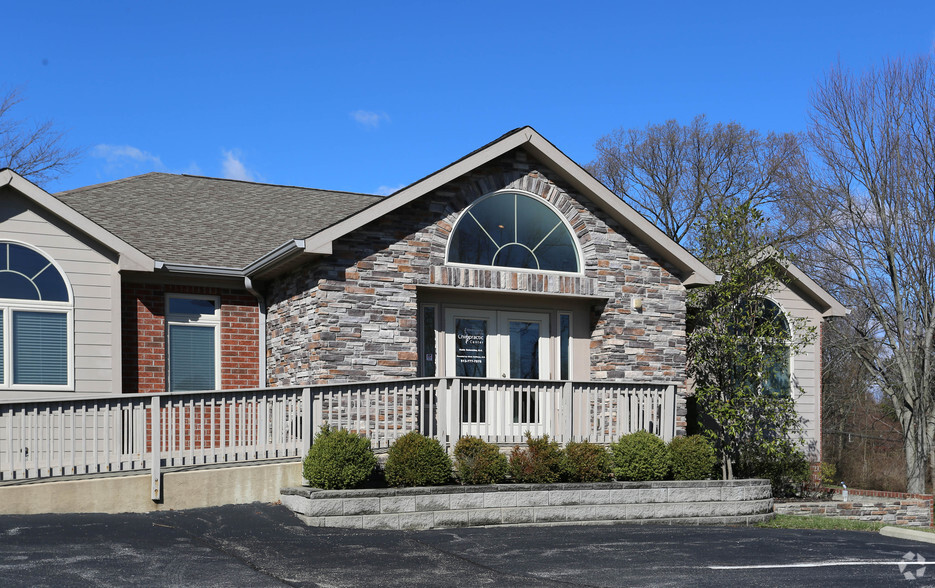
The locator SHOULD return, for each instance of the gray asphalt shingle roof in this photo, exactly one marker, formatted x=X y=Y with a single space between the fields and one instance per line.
x=210 y=221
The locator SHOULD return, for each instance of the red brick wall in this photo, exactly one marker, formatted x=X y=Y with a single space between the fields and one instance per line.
x=144 y=336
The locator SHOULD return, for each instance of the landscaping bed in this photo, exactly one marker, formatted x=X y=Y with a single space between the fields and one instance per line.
x=684 y=502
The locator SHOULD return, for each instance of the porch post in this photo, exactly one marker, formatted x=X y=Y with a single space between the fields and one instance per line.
x=316 y=413
x=567 y=418
x=441 y=412
x=454 y=412
x=155 y=431
x=308 y=431
x=668 y=414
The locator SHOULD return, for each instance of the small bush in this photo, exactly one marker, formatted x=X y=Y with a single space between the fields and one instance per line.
x=639 y=457
x=338 y=459
x=540 y=462
x=479 y=462
x=586 y=462
x=788 y=473
x=416 y=460
x=692 y=458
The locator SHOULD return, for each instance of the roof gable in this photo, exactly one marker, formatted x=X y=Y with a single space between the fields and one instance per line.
x=129 y=256
x=692 y=271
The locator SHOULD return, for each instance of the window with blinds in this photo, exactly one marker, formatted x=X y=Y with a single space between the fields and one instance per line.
x=192 y=331
x=35 y=320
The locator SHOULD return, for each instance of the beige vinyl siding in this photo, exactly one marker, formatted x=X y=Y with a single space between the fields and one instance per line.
x=805 y=366
x=92 y=272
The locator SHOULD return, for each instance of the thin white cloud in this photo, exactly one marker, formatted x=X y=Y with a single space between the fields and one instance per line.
x=387 y=190
x=119 y=157
x=368 y=119
x=234 y=168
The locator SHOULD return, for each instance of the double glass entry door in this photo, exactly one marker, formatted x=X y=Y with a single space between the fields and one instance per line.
x=498 y=345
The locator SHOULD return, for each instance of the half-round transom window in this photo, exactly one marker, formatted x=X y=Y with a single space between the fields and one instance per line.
x=513 y=230
x=25 y=274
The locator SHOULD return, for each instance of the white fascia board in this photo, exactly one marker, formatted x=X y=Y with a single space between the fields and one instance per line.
x=695 y=272
x=320 y=242
x=130 y=258
x=811 y=287
x=802 y=281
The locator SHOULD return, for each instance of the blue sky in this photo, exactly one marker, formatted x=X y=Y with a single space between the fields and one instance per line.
x=371 y=96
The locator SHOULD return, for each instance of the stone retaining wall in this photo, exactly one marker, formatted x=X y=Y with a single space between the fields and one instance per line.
x=697 y=502
x=907 y=511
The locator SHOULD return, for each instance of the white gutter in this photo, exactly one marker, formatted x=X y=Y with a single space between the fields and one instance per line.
x=201 y=270
x=261 y=328
x=287 y=249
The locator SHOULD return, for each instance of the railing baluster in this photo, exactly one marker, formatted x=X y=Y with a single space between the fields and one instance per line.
x=66 y=437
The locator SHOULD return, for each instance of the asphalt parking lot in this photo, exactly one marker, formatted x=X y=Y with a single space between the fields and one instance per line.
x=264 y=545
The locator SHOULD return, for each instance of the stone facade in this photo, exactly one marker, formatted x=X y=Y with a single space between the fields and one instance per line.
x=144 y=336
x=353 y=315
x=906 y=510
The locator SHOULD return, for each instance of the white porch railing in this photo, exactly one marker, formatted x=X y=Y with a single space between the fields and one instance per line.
x=65 y=437
x=502 y=411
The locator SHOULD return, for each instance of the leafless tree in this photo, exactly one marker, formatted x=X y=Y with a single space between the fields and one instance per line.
x=674 y=174
x=874 y=137
x=34 y=150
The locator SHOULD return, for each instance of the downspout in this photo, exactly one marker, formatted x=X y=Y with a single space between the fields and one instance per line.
x=261 y=300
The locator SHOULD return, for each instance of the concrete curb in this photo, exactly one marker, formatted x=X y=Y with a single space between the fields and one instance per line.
x=910 y=534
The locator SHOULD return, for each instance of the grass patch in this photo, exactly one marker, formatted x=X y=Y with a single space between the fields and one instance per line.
x=783 y=521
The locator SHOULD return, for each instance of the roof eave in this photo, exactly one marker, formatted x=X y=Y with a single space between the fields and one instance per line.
x=269 y=262
x=832 y=306
x=321 y=242
x=130 y=258
x=199 y=270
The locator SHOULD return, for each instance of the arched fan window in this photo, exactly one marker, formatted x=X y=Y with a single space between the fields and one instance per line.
x=508 y=229
x=777 y=363
x=35 y=318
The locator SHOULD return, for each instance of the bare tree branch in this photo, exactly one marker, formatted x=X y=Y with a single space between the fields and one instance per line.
x=675 y=175
x=36 y=151
x=874 y=135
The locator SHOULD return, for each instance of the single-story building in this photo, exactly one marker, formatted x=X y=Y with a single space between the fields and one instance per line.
x=512 y=265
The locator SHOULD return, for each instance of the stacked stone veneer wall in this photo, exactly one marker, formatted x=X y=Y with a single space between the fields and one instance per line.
x=144 y=336
x=894 y=508
x=702 y=502
x=353 y=315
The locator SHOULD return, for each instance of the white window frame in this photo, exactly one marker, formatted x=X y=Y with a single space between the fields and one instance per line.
x=10 y=305
x=201 y=320
x=574 y=237
x=787 y=316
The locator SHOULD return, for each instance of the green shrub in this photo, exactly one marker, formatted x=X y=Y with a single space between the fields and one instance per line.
x=586 y=462
x=416 y=460
x=788 y=473
x=692 y=458
x=640 y=456
x=540 y=462
x=338 y=459
x=479 y=462
x=826 y=473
